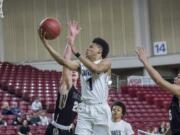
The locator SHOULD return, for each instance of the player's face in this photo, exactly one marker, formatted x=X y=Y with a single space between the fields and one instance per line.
x=177 y=79
x=93 y=50
x=117 y=112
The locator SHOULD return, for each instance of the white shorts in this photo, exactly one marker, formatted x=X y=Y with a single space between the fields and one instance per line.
x=93 y=119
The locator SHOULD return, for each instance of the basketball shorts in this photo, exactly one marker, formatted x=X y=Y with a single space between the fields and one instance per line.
x=93 y=119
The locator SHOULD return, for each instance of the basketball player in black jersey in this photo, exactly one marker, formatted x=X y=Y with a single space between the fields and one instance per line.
x=66 y=103
x=165 y=85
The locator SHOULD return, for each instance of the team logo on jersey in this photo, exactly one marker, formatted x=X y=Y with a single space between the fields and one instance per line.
x=86 y=73
x=116 y=132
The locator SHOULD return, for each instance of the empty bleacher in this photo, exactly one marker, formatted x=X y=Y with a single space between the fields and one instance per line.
x=21 y=84
x=27 y=82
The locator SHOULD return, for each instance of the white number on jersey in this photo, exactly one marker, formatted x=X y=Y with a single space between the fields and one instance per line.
x=75 y=107
x=170 y=116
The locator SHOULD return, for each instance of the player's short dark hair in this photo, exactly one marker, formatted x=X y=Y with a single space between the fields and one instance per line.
x=120 y=104
x=103 y=44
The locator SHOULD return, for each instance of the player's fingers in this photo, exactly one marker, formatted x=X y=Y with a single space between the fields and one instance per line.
x=138 y=49
x=40 y=32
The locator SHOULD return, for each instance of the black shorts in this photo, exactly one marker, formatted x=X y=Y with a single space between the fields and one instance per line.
x=176 y=133
x=52 y=130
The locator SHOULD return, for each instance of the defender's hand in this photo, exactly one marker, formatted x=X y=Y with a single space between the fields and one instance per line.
x=141 y=55
x=73 y=28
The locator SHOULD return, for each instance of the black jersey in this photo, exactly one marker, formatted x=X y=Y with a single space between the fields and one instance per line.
x=175 y=116
x=66 y=107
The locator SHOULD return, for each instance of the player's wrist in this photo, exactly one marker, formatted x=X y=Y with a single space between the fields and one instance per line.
x=77 y=54
x=145 y=62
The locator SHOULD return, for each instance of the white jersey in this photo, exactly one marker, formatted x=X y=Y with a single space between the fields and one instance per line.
x=94 y=85
x=121 y=128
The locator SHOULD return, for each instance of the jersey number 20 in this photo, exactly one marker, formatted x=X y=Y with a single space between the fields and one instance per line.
x=75 y=107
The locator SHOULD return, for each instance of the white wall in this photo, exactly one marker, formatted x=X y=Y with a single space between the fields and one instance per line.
x=119 y=63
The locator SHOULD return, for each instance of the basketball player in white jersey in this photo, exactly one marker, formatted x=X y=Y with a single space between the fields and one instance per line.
x=94 y=113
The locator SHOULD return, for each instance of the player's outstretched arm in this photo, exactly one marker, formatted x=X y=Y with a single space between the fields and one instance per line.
x=103 y=66
x=72 y=65
x=66 y=73
x=66 y=78
x=173 y=88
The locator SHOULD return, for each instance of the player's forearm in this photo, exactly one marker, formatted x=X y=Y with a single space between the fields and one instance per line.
x=103 y=66
x=55 y=55
x=153 y=73
x=174 y=89
x=96 y=68
x=67 y=52
x=90 y=65
x=66 y=72
x=59 y=58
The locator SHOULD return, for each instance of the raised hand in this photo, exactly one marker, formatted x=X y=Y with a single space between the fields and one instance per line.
x=141 y=55
x=42 y=36
x=73 y=28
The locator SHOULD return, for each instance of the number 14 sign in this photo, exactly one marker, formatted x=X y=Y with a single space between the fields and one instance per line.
x=160 y=48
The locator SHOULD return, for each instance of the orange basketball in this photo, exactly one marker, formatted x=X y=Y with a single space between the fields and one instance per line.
x=51 y=27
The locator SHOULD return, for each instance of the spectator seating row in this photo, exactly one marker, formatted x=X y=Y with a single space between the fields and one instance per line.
x=28 y=82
